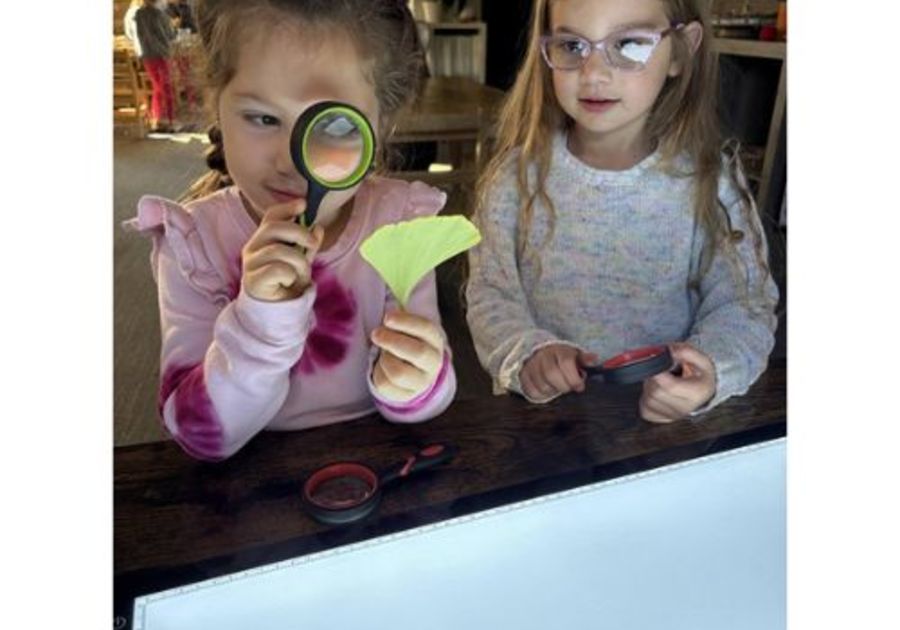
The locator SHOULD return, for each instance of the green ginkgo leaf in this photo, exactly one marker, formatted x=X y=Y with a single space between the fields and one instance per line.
x=402 y=253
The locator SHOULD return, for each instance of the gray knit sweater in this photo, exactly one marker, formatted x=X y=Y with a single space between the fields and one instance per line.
x=615 y=275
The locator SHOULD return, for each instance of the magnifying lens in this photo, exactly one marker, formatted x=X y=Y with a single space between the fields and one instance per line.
x=633 y=366
x=333 y=146
x=345 y=492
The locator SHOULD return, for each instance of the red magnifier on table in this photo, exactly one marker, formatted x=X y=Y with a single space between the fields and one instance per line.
x=345 y=492
x=633 y=366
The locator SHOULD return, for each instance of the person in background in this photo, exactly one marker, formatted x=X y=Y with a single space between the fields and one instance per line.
x=614 y=216
x=182 y=15
x=130 y=26
x=155 y=34
x=183 y=21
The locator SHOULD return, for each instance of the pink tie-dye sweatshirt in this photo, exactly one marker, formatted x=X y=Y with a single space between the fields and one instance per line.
x=232 y=365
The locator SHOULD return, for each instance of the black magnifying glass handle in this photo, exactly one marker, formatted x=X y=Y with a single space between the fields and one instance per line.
x=428 y=457
x=314 y=198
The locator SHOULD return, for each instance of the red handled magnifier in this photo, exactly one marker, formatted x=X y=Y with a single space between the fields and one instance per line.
x=345 y=492
x=633 y=366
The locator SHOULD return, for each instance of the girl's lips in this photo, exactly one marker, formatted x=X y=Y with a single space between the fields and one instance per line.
x=597 y=105
x=282 y=196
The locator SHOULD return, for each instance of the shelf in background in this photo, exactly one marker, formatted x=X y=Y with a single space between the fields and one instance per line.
x=750 y=48
x=765 y=50
x=455 y=48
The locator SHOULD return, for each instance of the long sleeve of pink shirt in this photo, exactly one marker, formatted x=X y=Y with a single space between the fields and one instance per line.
x=232 y=366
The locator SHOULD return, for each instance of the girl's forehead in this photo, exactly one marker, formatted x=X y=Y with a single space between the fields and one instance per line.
x=310 y=64
x=597 y=18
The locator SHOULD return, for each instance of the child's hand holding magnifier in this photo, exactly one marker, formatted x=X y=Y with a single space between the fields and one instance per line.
x=554 y=370
x=670 y=396
x=277 y=260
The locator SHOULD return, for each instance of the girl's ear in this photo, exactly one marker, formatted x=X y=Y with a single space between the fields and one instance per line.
x=693 y=35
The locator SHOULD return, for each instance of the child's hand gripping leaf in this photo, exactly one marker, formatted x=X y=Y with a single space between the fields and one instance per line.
x=403 y=252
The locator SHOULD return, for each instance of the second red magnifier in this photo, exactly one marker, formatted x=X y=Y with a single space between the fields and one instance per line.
x=633 y=366
x=345 y=492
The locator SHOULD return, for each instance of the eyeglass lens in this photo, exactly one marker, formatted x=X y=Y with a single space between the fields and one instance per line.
x=626 y=51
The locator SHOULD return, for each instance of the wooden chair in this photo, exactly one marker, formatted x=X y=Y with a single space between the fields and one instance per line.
x=130 y=93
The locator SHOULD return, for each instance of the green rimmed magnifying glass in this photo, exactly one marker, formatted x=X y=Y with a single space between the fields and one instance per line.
x=333 y=147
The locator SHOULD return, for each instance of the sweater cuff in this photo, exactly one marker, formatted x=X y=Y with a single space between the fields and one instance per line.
x=276 y=323
x=724 y=382
x=415 y=406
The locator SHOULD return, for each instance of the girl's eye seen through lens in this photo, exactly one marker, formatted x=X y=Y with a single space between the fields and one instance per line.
x=572 y=46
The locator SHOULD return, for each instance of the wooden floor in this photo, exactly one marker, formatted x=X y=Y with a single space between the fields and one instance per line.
x=161 y=167
x=164 y=167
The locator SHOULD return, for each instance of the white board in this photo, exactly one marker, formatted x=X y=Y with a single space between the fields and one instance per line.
x=694 y=546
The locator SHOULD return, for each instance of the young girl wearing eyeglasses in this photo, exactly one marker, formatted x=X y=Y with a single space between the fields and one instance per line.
x=613 y=215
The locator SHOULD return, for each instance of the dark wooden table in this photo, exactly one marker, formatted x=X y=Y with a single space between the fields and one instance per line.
x=458 y=113
x=449 y=108
x=179 y=521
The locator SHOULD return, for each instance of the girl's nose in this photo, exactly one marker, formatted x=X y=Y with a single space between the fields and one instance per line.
x=596 y=68
x=283 y=162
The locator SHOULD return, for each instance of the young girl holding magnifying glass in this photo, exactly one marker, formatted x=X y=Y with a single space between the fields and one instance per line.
x=268 y=323
x=612 y=219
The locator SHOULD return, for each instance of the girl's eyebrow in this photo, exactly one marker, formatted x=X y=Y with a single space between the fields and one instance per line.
x=250 y=97
x=628 y=26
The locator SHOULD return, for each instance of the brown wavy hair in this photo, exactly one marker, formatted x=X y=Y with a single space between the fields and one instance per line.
x=683 y=120
x=383 y=31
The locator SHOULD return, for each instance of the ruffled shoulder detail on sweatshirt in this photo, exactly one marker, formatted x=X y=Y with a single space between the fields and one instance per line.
x=167 y=221
x=394 y=200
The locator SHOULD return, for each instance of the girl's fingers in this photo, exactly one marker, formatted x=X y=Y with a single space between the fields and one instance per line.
x=413 y=350
x=284 y=212
x=386 y=388
x=689 y=390
x=534 y=385
x=654 y=410
x=317 y=235
x=664 y=402
x=568 y=367
x=554 y=377
x=416 y=326
x=670 y=400
x=540 y=378
x=651 y=415
x=402 y=374
x=525 y=383
x=281 y=232
x=271 y=282
x=528 y=386
x=281 y=253
x=686 y=353
x=587 y=359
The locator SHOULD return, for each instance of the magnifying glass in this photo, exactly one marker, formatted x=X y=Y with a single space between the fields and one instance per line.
x=633 y=366
x=345 y=492
x=333 y=146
